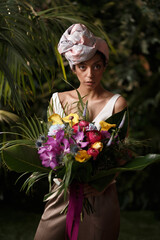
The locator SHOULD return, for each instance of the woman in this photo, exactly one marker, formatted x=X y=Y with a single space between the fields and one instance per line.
x=88 y=57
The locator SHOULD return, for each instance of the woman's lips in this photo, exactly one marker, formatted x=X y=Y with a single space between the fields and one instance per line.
x=89 y=83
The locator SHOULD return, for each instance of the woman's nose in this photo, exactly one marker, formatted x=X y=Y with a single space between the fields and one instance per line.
x=90 y=72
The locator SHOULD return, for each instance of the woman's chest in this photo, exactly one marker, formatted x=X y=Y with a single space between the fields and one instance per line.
x=94 y=107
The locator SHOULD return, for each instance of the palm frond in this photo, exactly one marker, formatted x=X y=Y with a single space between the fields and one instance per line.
x=31 y=180
x=28 y=43
x=7 y=144
x=34 y=128
x=8 y=117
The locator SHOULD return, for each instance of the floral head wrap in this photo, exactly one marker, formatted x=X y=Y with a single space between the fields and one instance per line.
x=78 y=44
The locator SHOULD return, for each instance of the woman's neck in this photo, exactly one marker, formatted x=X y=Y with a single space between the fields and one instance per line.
x=91 y=93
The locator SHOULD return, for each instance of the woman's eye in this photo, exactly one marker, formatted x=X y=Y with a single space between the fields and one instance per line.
x=97 y=67
x=82 y=67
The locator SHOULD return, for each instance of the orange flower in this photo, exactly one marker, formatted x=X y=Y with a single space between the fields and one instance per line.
x=82 y=156
x=106 y=126
x=55 y=119
x=72 y=119
x=97 y=145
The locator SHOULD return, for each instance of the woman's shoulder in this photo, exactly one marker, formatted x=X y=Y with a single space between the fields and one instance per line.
x=120 y=104
x=120 y=101
x=62 y=95
x=67 y=95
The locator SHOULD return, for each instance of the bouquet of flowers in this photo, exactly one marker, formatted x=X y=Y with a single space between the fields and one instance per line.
x=74 y=150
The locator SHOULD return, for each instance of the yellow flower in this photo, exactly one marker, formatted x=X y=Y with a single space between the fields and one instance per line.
x=55 y=119
x=72 y=119
x=106 y=126
x=82 y=156
x=97 y=145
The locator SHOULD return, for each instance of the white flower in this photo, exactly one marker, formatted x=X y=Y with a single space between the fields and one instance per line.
x=91 y=127
x=55 y=128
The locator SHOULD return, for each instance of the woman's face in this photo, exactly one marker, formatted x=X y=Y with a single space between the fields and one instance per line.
x=90 y=72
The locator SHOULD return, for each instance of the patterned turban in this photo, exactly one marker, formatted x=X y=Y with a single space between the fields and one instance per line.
x=78 y=44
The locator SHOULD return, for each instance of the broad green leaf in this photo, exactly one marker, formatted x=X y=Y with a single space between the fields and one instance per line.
x=140 y=162
x=101 y=183
x=101 y=179
x=23 y=158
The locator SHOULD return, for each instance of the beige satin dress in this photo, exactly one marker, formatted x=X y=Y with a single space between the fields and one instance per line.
x=104 y=223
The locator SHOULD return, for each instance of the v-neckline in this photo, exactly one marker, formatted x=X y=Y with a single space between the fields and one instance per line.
x=105 y=106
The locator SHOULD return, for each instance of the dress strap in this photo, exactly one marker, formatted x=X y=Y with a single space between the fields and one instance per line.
x=57 y=107
x=107 y=111
x=111 y=103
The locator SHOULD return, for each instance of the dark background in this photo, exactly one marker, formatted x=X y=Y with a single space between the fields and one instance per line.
x=30 y=72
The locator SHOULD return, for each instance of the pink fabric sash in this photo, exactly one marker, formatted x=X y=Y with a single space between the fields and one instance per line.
x=74 y=211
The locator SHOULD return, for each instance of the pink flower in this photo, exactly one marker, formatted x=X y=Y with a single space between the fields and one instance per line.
x=93 y=152
x=94 y=136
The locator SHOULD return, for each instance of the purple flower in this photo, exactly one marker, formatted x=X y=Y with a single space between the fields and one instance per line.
x=48 y=159
x=110 y=140
x=122 y=121
x=53 y=144
x=79 y=136
x=59 y=136
x=48 y=153
x=105 y=134
x=50 y=141
x=44 y=149
x=66 y=146
x=84 y=111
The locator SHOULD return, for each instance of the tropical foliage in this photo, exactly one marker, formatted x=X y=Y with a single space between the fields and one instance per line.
x=30 y=69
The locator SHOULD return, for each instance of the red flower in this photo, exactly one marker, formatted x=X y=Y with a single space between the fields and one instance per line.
x=93 y=152
x=93 y=136
x=83 y=123
x=80 y=126
x=75 y=127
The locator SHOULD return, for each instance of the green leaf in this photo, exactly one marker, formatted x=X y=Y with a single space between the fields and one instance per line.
x=101 y=183
x=8 y=117
x=140 y=162
x=22 y=158
x=103 y=178
x=116 y=119
x=32 y=179
x=68 y=164
x=84 y=171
